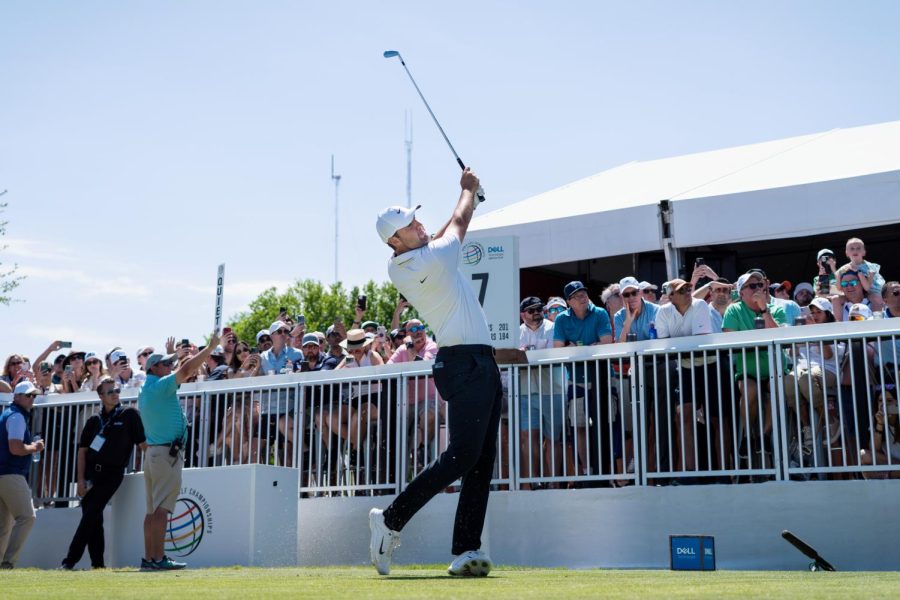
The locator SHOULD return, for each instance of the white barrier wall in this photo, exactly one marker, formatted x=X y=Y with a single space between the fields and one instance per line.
x=853 y=524
x=49 y=539
x=238 y=515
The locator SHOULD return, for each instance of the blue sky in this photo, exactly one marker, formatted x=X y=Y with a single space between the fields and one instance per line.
x=143 y=143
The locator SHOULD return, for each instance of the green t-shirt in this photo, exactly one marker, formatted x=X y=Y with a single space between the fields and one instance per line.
x=740 y=317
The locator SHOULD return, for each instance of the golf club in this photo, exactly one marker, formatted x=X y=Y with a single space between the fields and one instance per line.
x=392 y=54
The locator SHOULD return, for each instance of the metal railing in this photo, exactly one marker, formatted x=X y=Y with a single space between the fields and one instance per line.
x=789 y=403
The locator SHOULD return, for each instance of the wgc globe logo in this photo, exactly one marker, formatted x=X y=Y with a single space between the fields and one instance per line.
x=472 y=253
x=185 y=530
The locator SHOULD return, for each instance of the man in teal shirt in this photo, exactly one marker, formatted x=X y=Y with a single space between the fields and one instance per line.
x=165 y=427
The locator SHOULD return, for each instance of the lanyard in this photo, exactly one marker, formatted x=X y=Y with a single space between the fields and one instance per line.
x=103 y=424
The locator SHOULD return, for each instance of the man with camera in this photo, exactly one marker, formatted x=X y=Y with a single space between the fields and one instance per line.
x=104 y=451
x=166 y=429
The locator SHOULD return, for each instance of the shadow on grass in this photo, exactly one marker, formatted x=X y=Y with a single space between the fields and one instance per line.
x=442 y=577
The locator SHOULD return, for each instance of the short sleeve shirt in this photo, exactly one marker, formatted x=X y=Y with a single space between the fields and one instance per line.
x=695 y=321
x=568 y=328
x=430 y=279
x=641 y=324
x=164 y=421
x=121 y=429
x=15 y=427
x=741 y=317
x=540 y=380
x=269 y=361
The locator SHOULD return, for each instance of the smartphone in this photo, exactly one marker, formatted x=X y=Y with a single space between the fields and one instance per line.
x=185 y=342
x=410 y=345
x=226 y=331
x=254 y=350
x=403 y=298
x=282 y=311
x=698 y=262
x=69 y=369
x=382 y=332
x=304 y=366
x=301 y=319
x=45 y=367
x=361 y=302
x=65 y=344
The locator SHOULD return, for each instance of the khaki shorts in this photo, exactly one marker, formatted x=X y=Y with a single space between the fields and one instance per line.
x=162 y=478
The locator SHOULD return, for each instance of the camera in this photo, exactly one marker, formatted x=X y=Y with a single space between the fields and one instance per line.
x=403 y=298
x=301 y=319
x=45 y=367
x=69 y=369
x=174 y=448
x=65 y=345
x=698 y=262
x=361 y=302
x=410 y=345
x=825 y=264
x=185 y=343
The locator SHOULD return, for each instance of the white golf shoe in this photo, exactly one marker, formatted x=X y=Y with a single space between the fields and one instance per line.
x=473 y=563
x=384 y=541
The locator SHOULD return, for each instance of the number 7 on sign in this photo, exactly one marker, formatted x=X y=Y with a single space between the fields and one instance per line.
x=483 y=278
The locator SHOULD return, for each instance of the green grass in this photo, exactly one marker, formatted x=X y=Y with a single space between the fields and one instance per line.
x=432 y=582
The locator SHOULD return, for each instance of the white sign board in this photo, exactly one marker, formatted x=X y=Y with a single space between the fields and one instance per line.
x=491 y=265
x=220 y=288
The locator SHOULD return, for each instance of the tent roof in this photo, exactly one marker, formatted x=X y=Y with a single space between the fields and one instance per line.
x=795 y=186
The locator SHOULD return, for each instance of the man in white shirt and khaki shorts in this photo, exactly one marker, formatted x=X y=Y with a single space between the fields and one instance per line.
x=425 y=270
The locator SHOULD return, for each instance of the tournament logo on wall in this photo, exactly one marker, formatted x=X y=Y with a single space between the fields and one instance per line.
x=472 y=253
x=188 y=523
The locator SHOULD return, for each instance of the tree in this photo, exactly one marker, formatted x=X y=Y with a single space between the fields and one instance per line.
x=8 y=278
x=320 y=306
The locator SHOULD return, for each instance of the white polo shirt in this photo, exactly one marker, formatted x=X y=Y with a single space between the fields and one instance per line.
x=695 y=321
x=429 y=278
x=540 y=380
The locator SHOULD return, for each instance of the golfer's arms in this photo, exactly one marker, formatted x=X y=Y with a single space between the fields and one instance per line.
x=462 y=214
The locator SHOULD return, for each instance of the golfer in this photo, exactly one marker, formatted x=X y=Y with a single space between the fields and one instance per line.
x=425 y=270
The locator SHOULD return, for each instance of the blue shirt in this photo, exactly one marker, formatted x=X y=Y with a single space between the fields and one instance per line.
x=269 y=361
x=791 y=309
x=589 y=330
x=641 y=323
x=161 y=413
x=715 y=319
x=10 y=464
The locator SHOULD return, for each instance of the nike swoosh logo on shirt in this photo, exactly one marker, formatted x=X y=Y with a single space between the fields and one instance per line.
x=423 y=280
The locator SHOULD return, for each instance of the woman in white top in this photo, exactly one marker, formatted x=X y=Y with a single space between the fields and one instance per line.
x=93 y=364
x=351 y=419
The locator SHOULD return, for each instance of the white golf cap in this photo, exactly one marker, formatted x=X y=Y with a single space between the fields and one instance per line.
x=393 y=218
x=25 y=387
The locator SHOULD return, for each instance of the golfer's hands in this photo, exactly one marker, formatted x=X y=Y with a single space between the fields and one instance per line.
x=469 y=181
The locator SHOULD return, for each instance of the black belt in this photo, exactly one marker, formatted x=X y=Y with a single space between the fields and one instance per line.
x=466 y=349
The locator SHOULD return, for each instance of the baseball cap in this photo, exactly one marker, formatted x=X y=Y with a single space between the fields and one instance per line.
x=823 y=252
x=804 y=286
x=647 y=285
x=261 y=333
x=25 y=387
x=822 y=304
x=556 y=301
x=218 y=351
x=743 y=279
x=155 y=359
x=369 y=324
x=143 y=349
x=572 y=287
x=674 y=285
x=310 y=338
x=529 y=302
x=628 y=282
x=117 y=356
x=860 y=310
x=330 y=331
x=393 y=218
x=276 y=326
x=758 y=271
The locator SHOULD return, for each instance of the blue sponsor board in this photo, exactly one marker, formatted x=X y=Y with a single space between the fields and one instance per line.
x=692 y=553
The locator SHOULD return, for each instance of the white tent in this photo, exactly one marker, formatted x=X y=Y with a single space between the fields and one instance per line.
x=838 y=180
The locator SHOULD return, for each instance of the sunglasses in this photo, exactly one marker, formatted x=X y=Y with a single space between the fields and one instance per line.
x=416 y=329
x=756 y=286
x=145 y=354
x=648 y=291
x=684 y=290
x=857 y=318
x=265 y=339
x=112 y=391
x=533 y=311
x=630 y=294
x=850 y=283
x=281 y=332
x=15 y=363
x=556 y=309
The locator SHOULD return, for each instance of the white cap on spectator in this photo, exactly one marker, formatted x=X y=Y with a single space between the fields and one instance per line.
x=143 y=349
x=276 y=326
x=860 y=310
x=628 y=282
x=116 y=356
x=556 y=301
x=743 y=279
x=804 y=286
x=645 y=285
x=25 y=387
x=823 y=304
x=393 y=218
x=261 y=333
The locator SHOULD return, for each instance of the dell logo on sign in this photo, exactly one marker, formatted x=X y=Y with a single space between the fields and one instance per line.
x=495 y=248
x=689 y=551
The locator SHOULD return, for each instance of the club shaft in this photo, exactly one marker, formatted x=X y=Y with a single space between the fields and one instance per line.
x=430 y=112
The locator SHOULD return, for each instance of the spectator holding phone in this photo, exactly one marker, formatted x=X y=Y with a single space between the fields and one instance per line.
x=94 y=366
x=229 y=341
x=74 y=372
x=263 y=340
x=244 y=363
x=826 y=281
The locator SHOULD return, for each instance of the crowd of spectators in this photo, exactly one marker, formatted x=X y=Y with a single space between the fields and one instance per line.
x=628 y=311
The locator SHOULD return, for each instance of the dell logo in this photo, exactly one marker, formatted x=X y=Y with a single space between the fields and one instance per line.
x=688 y=551
x=495 y=248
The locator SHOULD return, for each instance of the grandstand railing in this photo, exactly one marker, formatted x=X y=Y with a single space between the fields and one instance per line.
x=645 y=413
